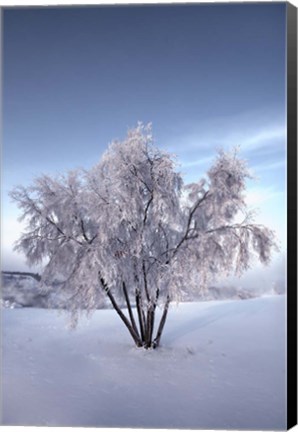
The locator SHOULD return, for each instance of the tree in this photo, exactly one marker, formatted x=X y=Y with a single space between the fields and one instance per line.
x=130 y=228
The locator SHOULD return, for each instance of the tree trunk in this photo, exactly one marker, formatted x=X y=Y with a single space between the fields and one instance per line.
x=140 y=315
x=152 y=314
x=149 y=326
x=130 y=328
x=146 y=323
x=161 y=324
x=133 y=323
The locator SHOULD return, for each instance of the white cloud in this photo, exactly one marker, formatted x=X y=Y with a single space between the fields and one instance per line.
x=11 y=230
x=263 y=138
x=249 y=130
x=270 y=166
x=197 y=162
x=271 y=210
x=261 y=195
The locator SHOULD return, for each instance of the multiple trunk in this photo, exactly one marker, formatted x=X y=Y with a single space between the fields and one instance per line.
x=141 y=332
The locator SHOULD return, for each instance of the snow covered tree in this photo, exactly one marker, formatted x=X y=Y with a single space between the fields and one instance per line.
x=130 y=230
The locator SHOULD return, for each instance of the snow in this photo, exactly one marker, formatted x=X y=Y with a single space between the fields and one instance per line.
x=221 y=365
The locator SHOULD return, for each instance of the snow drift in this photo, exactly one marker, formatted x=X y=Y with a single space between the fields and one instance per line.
x=221 y=365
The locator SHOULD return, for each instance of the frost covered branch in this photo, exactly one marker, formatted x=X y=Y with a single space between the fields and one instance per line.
x=131 y=231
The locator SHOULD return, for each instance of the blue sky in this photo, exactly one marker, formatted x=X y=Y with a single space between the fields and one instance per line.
x=206 y=76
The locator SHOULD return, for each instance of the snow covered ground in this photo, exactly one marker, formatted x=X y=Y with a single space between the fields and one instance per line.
x=221 y=365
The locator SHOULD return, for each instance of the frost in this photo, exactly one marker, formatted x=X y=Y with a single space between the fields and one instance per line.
x=129 y=228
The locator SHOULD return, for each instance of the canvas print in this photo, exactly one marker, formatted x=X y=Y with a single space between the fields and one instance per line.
x=144 y=216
